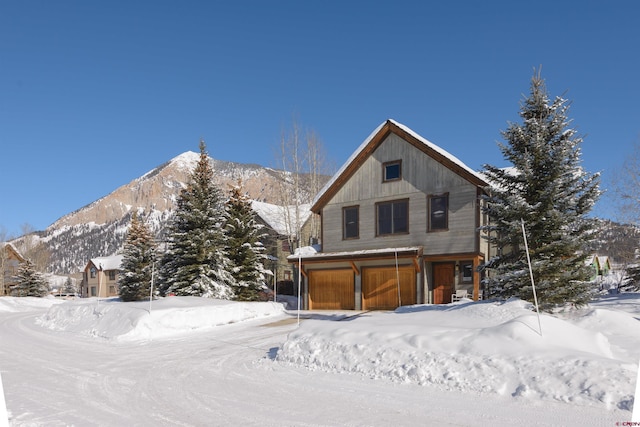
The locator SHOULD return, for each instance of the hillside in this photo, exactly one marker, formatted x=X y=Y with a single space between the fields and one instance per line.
x=98 y=229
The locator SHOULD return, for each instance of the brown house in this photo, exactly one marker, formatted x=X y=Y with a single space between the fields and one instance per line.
x=399 y=226
x=281 y=226
x=10 y=260
x=100 y=277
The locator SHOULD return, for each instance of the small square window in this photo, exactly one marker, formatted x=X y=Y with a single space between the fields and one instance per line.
x=392 y=171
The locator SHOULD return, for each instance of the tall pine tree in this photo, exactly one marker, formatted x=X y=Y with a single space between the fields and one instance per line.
x=29 y=282
x=244 y=246
x=139 y=253
x=549 y=190
x=195 y=262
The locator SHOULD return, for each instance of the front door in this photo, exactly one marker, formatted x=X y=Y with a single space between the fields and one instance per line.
x=443 y=279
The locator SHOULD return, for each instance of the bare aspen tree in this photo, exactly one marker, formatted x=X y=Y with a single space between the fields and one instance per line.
x=302 y=159
x=4 y=256
x=626 y=188
x=32 y=249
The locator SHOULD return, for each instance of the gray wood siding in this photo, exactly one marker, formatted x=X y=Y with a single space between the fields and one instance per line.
x=421 y=176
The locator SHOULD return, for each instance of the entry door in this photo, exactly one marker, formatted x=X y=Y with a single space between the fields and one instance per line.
x=443 y=279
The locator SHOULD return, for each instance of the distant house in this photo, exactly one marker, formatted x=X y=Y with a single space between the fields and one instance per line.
x=280 y=227
x=399 y=226
x=601 y=266
x=10 y=260
x=100 y=277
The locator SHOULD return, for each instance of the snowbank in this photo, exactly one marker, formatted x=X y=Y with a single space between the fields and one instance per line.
x=113 y=319
x=584 y=357
x=482 y=347
x=13 y=305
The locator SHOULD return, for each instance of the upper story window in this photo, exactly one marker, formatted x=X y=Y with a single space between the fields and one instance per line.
x=439 y=212
x=112 y=275
x=392 y=171
x=392 y=217
x=350 y=222
x=93 y=272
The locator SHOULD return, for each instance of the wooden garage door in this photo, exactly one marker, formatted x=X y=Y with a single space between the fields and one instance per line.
x=331 y=290
x=380 y=287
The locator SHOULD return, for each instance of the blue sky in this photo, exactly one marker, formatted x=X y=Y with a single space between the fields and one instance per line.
x=94 y=94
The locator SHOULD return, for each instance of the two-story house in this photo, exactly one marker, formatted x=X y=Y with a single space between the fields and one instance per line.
x=399 y=226
x=100 y=277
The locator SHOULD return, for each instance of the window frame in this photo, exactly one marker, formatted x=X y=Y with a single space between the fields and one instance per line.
x=405 y=202
x=344 y=222
x=385 y=165
x=430 y=221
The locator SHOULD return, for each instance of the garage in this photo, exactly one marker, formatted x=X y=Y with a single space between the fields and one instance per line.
x=380 y=287
x=331 y=290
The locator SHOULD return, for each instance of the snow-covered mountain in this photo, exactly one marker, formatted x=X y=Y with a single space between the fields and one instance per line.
x=99 y=228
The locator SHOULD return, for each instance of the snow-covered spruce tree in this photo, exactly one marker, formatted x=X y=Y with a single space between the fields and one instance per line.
x=138 y=256
x=195 y=262
x=244 y=246
x=29 y=282
x=632 y=281
x=549 y=190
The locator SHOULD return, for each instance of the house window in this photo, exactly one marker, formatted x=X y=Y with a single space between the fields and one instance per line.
x=438 y=212
x=112 y=275
x=392 y=171
x=286 y=247
x=93 y=291
x=392 y=217
x=350 y=222
x=93 y=272
x=112 y=290
x=467 y=272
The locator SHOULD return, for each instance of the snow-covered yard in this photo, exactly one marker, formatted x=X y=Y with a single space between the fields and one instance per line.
x=195 y=361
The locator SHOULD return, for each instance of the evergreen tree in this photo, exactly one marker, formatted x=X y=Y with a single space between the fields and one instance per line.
x=139 y=253
x=29 y=283
x=244 y=246
x=549 y=190
x=195 y=262
x=69 y=287
x=632 y=281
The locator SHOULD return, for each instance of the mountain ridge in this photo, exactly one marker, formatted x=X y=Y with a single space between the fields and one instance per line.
x=99 y=228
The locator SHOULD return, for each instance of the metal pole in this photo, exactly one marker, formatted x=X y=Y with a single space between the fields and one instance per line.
x=533 y=285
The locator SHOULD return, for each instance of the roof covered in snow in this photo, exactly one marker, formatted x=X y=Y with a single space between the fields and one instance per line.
x=281 y=218
x=312 y=253
x=107 y=262
x=372 y=142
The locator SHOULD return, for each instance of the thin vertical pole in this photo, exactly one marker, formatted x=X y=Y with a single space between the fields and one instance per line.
x=533 y=285
x=299 y=280
x=398 y=279
x=153 y=266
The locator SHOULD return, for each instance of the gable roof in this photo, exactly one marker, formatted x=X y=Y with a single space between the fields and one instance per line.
x=373 y=142
x=12 y=252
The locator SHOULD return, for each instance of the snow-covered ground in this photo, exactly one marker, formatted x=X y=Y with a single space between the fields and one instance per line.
x=195 y=361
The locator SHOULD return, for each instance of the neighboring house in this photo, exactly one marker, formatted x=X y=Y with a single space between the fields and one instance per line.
x=100 y=277
x=10 y=260
x=399 y=226
x=601 y=265
x=281 y=241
